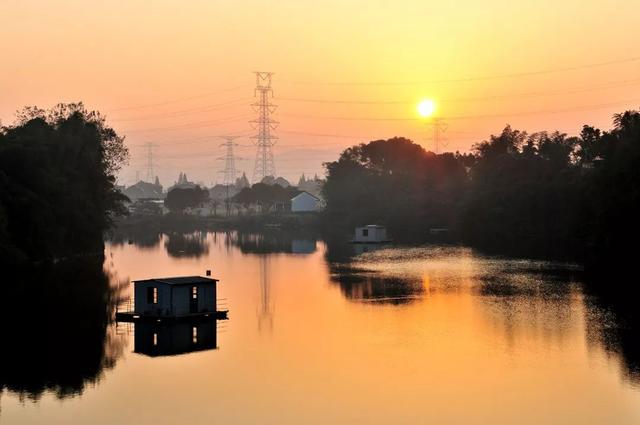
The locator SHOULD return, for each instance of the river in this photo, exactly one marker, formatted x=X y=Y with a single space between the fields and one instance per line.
x=332 y=333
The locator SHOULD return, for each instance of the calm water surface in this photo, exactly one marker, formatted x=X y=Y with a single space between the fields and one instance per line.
x=320 y=334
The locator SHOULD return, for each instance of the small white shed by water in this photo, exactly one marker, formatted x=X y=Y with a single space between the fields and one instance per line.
x=371 y=233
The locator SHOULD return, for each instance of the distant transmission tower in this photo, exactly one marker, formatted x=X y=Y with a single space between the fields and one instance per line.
x=437 y=126
x=230 y=173
x=264 y=140
x=150 y=173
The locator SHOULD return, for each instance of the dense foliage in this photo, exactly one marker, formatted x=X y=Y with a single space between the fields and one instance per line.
x=542 y=194
x=524 y=195
x=264 y=195
x=397 y=183
x=179 y=199
x=57 y=183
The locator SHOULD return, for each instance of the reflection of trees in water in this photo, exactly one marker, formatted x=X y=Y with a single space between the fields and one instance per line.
x=338 y=251
x=142 y=237
x=550 y=305
x=365 y=285
x=275 y=241
x=520 y=299
x=523 y=303
x=187 y=245
x=378 y=288
x=55 y=329
x=613 y=322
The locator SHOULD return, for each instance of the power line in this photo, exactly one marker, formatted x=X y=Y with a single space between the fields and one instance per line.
x=183 y=112
x=182 y=99
x=205 y=157
x=197 y=124
x=306 y=133
x=440 y=138
x=194 y=140
x=463 y=79
x=265 y=165
x=462 y=117
x=480 y=78
x=622 y=83
x=471 y=134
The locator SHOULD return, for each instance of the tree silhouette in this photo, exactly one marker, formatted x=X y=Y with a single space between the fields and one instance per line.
x=57 y=183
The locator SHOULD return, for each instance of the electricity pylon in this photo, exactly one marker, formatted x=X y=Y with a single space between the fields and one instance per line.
x=150 y=175
x=264 y=124
x=230 y=173
x=437 y=126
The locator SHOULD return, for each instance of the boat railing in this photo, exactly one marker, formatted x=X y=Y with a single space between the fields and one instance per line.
x=125 y=306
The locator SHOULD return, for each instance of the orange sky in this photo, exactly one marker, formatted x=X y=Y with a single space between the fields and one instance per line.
x=178 y=73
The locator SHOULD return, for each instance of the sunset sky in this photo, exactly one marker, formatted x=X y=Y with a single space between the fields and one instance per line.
x=179 y=73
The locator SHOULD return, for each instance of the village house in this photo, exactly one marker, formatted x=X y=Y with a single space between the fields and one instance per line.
x=305 y=202
x=144 y=191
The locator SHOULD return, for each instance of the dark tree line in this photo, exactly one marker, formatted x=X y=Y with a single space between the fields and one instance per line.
x=397 y=183
x=542 y=194
x=179 y=199
x=524 y=195
x=57 y=183
x=264 y=195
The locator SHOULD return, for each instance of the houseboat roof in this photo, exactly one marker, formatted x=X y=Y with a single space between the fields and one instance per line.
x=372 y=226
x=183 y=280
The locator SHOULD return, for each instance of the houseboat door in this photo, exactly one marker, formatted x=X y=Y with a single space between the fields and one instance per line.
x=193 y=302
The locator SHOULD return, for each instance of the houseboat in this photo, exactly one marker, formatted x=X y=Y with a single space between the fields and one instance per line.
x=173 y=298
x=372 y=233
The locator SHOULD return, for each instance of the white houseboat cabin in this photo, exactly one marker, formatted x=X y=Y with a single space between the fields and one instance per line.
x=371 y=233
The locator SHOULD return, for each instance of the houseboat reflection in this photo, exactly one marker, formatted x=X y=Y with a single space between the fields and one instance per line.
x=169 y=339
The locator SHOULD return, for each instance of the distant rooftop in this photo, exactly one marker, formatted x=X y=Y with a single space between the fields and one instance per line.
x=183 y=280
x=308 y=193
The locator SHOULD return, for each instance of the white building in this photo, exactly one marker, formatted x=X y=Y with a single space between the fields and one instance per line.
x=175 y=296
x=305 y=202
x=371 y=233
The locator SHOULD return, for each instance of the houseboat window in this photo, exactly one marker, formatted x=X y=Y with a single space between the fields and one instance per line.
x=152 y=295
x=155 y=339
x=365 y=232
x=194 y=335
x=194 y=292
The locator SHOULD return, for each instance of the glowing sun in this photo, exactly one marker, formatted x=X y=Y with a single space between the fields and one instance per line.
x=426 y=108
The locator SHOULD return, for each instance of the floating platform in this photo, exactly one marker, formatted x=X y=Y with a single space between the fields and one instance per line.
x=132 y=317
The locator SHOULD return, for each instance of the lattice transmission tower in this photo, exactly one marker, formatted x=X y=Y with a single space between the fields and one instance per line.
x=150 y=172
x=230 y=172
x=264 y=124
x=437 y=126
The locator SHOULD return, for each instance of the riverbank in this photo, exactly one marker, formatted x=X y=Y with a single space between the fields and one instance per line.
x=186 y=223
